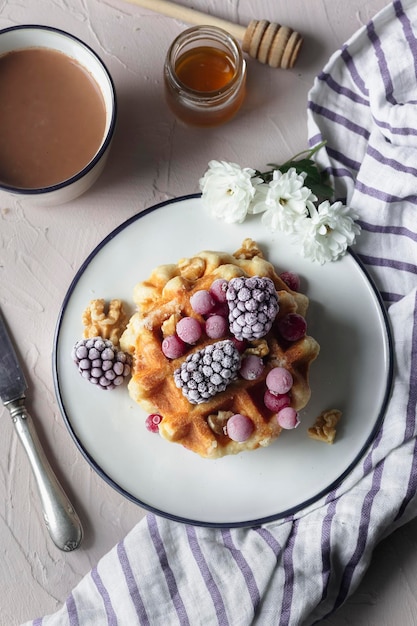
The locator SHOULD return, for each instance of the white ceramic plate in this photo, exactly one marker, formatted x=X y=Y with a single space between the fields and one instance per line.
x=352 y=373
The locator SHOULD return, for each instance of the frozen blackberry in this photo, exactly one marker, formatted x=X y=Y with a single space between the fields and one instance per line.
x=253 y=306
x=101 y=363
x=207 y=372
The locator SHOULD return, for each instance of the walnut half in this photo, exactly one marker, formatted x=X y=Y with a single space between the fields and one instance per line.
x=248 y=250
x=218 y=421
x=324 y=428
x=108 y=324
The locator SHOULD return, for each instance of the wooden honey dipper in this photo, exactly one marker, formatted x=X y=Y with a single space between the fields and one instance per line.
x=268 y=42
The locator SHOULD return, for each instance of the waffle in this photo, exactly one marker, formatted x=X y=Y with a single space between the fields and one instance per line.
x=161 y=301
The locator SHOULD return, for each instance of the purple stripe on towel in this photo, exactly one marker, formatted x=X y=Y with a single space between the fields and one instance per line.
x=72 y=611
x=393 y=264
x=326 y=543
x=269 y=540
x=131 y=585
x=365 y=520
x=344 y=160
x=313 y=141
x=408 y=31
x=207 y=576
x=336 y=118
x=382 y=63
x=391 y=298
x=37 y=622
x=412 y=394
x=396 y=166
x=166 y=568
x=288 y=590
x=411 y=417
x=388 y=230
x=401 y=131
x=383 y=195
x=411 y=487
x=341 y=90
x=244 y=568
x=108 y=607
x=350 y=64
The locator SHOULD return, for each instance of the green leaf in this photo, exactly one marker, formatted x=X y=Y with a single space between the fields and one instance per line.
x=315 y=180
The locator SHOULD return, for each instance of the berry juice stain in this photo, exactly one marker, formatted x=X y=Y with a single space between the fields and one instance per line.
x=205 y=69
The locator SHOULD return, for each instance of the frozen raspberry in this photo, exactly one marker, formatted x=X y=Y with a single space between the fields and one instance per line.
x=216 y=326
x=220 y=308
x=202 y=302
x=152 y=422
x=276 y=402
x=252 y=367
x=101 y=363
x=279 y=380
x=291 y=279
x=253 y=305
x=173 y=347
x=288 y=418
x=292 y=327
x=207 y=372
x=241 y=345
x=189 y=330
x=239 y=427
x=218 y=290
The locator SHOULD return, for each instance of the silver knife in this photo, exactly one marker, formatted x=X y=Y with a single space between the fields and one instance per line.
x=60 y=517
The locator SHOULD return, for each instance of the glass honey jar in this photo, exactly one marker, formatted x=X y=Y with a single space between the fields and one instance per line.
x=204 y=76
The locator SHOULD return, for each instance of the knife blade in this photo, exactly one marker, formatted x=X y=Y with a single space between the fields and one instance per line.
x=60 y=517
x=12 y=380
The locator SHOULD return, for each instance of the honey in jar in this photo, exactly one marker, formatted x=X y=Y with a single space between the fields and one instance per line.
x=205 y=76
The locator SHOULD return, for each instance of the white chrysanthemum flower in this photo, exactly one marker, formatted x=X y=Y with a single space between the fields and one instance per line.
x=228 y=190
x=287 y=201
x=328 y=233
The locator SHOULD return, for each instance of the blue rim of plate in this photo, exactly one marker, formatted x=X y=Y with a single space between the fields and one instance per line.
x=247 y=523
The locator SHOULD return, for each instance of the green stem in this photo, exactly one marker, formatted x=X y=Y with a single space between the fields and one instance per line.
x=303 y=162
x=308 y=153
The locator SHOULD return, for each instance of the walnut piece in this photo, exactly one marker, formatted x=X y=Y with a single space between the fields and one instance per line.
x=258 y=347
x=108 y=324
x=217 y=421
x=248 y=250
x=324 y=428
x=192 y=269
x=169 y=325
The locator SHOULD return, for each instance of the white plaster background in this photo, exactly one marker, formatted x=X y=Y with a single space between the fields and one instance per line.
x=153 y=158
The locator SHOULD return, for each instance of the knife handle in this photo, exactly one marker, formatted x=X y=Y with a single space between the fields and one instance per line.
x=60 y=517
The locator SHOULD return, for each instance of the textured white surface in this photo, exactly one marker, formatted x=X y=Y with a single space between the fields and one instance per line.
x=153 y=158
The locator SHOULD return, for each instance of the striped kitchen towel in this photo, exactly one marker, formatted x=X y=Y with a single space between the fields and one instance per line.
x=298 y=570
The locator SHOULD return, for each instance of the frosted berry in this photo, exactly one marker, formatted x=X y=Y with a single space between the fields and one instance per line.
x=189 y=330
x=239 y=427
x=292 y=327
x=218 y=289
x=291 y=279
x=252 y=367
x=220 y=308
x=101 y=363
x=253 y=306
x=173 y=347
x=152 y=422
x=279 y=380
x=216 y=326
x=202 y=302
x=288 y=418
x=241 y=344
x=207 y=372
x=276 y=402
